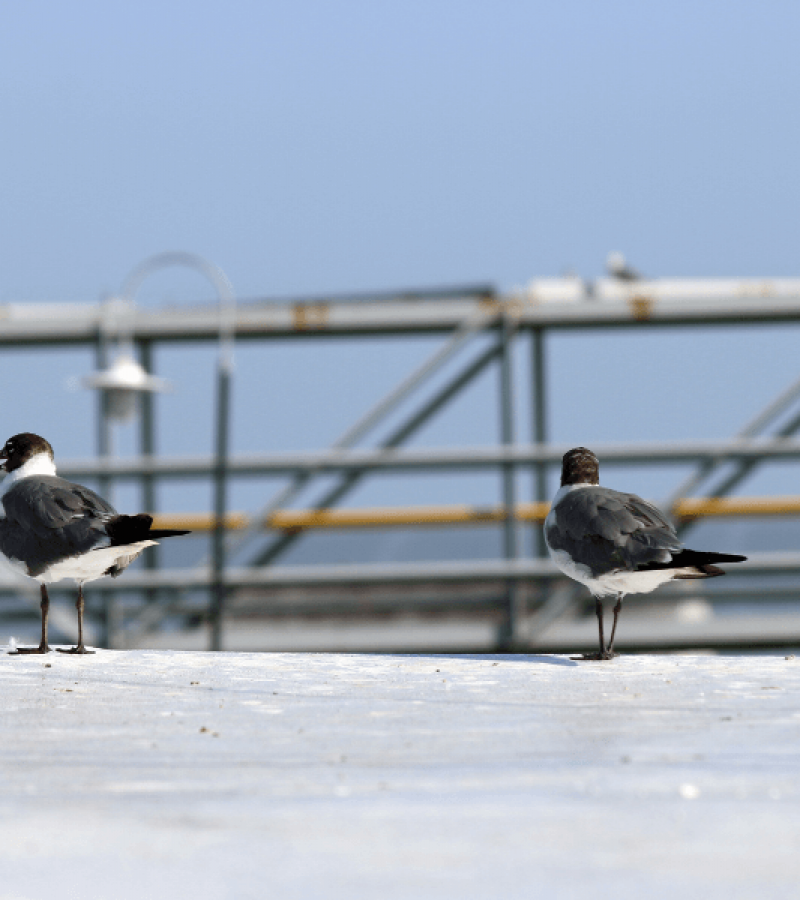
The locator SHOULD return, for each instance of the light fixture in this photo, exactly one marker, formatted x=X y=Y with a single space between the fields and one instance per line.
x=122 y=383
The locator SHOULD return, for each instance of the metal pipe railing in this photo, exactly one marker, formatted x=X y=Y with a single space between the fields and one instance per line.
x=351 y=476
x=377 y=413
x=457 y=514
x=394 y=459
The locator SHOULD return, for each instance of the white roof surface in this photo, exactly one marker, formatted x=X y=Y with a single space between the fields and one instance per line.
x=154 y=774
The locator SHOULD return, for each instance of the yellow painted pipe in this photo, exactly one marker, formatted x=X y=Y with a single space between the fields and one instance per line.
x=461 y=514
x=697 y=507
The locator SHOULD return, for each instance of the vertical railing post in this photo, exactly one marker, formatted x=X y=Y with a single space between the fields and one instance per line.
x=220 y=507
x=512 y=631
x=147 y=448
x=539 y=429
x=105 y=485
x=218 y=554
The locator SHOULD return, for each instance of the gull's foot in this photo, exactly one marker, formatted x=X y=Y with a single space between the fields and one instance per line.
x=40 y=649
x=596 y=657
x=79 y=649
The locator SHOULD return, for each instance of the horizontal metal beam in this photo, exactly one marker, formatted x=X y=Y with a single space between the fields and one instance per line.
x=550 y=303
x=459 y=514
x=729 y=507
x=401 y=460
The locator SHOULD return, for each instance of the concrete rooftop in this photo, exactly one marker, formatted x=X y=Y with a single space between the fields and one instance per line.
x=159 y=774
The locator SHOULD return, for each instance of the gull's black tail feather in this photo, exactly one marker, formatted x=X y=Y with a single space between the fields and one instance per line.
x=155 y=534
x=131 y=529
x=696 y=563
x=703 y=558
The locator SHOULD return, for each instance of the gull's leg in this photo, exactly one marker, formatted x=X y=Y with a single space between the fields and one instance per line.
x=617 y=609
x=603 y=653
x=598 y=608
x=45 y=607
x=79 y=606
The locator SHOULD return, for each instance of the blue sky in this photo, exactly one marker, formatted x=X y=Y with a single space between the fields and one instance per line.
x=312 y=147
x=336 y=146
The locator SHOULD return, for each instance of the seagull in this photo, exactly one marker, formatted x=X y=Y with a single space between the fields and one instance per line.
x=615 y=543
x=51 y=529
x=618 y=267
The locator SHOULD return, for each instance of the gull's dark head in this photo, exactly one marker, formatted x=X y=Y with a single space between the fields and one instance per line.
x=580 y=466
x=22 y=447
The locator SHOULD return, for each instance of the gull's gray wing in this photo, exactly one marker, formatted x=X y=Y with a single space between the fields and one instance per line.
x=48 y=518
x=45 y=502
x=607 y=531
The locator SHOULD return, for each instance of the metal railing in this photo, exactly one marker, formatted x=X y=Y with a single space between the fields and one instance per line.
x=689 y=508
x=463 y=315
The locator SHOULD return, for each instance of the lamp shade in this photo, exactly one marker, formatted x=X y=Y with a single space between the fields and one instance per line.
x=122 y=383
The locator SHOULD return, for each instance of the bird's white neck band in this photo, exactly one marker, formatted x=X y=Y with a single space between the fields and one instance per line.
x=41 y=464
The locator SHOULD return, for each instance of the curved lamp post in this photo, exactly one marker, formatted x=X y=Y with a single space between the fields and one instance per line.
x=227 y=325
